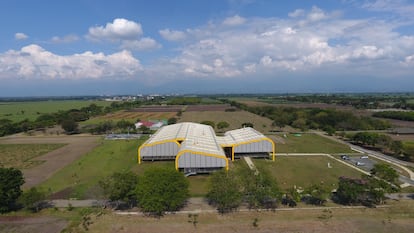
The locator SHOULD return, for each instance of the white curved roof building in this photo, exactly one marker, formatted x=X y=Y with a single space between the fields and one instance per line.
x=196 y=148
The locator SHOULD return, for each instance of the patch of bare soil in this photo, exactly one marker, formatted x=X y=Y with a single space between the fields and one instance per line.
x=55 y=160
x=19 y=224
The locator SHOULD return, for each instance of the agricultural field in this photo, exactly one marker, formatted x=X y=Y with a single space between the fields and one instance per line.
x=131 y=116
x=18 y=111
x=235 y=119
x=23 y=156
x=308 y=143
x=303 y=171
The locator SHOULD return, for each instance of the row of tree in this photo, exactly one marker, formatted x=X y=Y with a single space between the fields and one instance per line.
x=67 y=119
x=382 y=142
x=398 y=115
x=164 y=189
x=329 y=120
x=158 y=190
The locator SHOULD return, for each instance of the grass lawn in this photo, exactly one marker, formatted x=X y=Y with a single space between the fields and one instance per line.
x=310 y=143
x=304 y=171
x=82 y=176
x=18 y=111
x=21 y=155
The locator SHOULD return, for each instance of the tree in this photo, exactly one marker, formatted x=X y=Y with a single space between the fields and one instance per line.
x=70 y=126
x=247 y=124
x=210 y=123
x=260 y=189
x=225 y=191
x=10 y=181
x=366 y=191
x=350 y=191
x=160 y=190
x=120 y=187
x=144 y=129
x=316 y=195
x=123 y=125
x=397 y=147
x=33 y=199
x=385 y=172
x=222 y=125
x=172 y=121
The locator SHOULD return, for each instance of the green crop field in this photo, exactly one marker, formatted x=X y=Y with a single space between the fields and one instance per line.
x=304 y=171
x=18 y=111
x=310 y=143
x=22 y=156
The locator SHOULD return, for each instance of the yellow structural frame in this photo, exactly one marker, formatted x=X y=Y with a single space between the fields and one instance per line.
x=200 y=153
x=251 y=141
x=156 y=143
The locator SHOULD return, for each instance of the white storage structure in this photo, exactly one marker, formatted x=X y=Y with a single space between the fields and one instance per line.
x=196 y=149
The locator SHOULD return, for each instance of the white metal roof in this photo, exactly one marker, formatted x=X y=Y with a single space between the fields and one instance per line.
x=194 y=136
x=202 y=138
x=242 y=135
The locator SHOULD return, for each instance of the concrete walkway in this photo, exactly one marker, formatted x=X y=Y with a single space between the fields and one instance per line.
x=251 y=165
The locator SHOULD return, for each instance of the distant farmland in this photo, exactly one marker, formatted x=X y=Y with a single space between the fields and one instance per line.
x=131 y=116
x=18 y=111
x=235 y=119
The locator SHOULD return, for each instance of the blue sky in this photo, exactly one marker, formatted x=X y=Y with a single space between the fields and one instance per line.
x=94 y=47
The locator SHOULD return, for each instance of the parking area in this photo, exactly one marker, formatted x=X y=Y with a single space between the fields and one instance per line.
x=361 y=161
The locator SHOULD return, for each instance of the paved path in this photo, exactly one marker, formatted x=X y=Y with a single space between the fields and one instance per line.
x=251 y=165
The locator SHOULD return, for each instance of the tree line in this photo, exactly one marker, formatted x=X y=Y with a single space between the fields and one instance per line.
x=329 y=120
x=68 y=119
x=382 y=142
x=160 y=190
x=398 y=115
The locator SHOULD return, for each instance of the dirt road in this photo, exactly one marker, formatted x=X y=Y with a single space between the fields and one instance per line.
x=55 y=160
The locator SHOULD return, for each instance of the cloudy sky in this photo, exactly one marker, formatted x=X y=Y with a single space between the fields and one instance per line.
x=82 y=47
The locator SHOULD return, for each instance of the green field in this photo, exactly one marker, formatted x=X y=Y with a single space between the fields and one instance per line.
x=304 y=171
x=82 y=176
x=310 y=143
x=22 y=156
x=18 y=111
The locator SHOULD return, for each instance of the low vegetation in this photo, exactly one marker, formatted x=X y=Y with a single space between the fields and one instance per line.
x=398 y=115
x=23 y=156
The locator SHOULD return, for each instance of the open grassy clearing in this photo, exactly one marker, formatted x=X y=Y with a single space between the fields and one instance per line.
x=18 y=111
x=235 y=119
x=130 y=116
x=397 y=218
x=310 y=143
x=22 y=156
x=303 y=171
x=81 y=177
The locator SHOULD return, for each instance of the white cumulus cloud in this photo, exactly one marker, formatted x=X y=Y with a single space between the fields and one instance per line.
x=125 y=32
x=20 y=36
x=34 y=62
x=119 y=29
